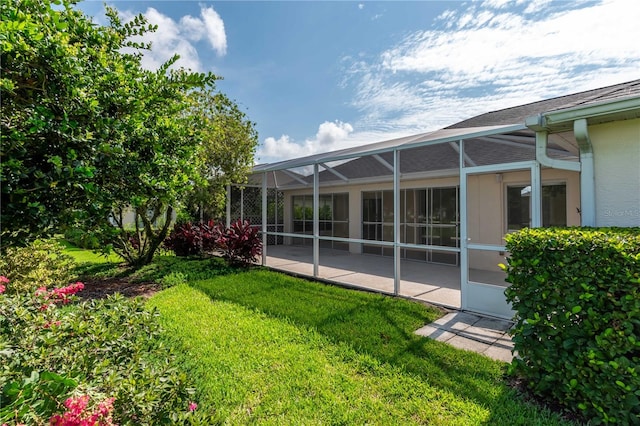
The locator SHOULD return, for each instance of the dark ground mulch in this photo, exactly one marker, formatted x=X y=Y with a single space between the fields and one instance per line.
x=98 y=289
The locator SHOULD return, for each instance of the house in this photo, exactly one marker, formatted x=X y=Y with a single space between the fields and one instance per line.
x=427 y=213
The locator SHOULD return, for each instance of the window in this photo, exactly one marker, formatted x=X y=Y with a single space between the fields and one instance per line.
x=428 y=216
x=554 y=206
x=333 y=218
x=302 y=214
x=372 y=220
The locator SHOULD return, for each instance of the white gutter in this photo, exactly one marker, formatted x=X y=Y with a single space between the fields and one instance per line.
x=553 y=121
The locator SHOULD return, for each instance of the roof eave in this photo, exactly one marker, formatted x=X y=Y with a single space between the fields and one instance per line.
x=562 y=120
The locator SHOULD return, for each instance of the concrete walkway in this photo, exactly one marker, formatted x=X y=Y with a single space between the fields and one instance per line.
x=472 y=332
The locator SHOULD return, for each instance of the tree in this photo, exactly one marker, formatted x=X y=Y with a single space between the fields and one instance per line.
x=55 y=67
x=88 y=134
x=229 y=140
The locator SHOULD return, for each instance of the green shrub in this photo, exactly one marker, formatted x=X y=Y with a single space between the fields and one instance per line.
x=173 y=279
x=41 y=264
x=108 y=350
x=81 y=238
x=576 y=293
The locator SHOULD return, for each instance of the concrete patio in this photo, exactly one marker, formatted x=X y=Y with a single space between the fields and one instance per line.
x=429 y=282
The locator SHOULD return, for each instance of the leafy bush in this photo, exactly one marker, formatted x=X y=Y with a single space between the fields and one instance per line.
x=42 y=263
x=81 y=238
x=190 y=239
x=576 y=293
x=173 y=279
x=57 y=359
x=240 y=243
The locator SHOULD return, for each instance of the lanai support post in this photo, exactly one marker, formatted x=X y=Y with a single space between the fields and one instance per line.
x=464 y=255
x=396 y=223
x=316 y=219
x=228 y=207
x=242 y=203
x=264 y=219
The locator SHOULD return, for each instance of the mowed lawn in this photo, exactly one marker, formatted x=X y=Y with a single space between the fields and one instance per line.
x=262 y=347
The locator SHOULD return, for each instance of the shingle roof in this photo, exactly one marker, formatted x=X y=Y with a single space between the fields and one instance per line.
x=517 y=143
x=518 y=114
x=438 y=157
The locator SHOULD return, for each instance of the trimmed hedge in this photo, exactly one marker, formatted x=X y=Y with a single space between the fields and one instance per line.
x=576 y=293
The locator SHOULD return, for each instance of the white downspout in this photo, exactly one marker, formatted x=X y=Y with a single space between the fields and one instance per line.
x=587 y=176
x=542 y=141
x=585 y=166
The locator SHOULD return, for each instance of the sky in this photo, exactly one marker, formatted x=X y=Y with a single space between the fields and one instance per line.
x=317 y=76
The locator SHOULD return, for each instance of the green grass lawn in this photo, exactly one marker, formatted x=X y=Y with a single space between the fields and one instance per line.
x=87 y=256
x=263 y=347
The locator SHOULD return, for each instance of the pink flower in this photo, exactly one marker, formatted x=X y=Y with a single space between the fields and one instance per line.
x=78 y=416
x=77 y=405
x=50 y=324
x=4 y=280
x=61 y=294
x=2 y=288
x=192 y=406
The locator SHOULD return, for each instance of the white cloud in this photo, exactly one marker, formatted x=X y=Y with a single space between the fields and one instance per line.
x=282 y=148
x=497 y=4
x=480 y=57
x=360 y=6
x=179 y=37
x=331 y=132
x=331 y=135
x=215 y=30
x=536 y=5
x=192 y=28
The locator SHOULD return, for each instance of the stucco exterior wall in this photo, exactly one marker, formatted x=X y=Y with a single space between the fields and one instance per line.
x=487 y=210
x=486 y=206
x=616 y=153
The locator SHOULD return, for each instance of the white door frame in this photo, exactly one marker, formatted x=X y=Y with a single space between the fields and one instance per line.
x=482 y=297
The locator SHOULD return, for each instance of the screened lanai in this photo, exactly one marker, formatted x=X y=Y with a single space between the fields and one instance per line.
x=422 y=216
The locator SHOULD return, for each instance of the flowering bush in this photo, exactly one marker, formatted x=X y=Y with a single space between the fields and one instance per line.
x=58 y=356
x=77 y=414
x=58 y=295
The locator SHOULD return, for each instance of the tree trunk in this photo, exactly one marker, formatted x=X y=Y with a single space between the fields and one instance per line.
x=156 y=239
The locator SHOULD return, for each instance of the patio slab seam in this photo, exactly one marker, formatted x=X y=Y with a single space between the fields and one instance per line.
x=472 y=332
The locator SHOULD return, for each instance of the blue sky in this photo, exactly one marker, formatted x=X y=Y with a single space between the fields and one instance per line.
x=316 y=76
